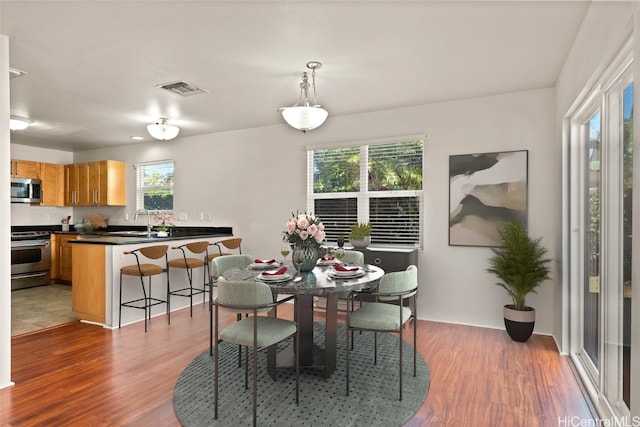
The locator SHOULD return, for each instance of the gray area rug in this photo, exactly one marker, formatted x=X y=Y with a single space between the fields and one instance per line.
x=372 y=401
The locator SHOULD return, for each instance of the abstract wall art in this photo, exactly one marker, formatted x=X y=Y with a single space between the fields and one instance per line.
x=485 y=191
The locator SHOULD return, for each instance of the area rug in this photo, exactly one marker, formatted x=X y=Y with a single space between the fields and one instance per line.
x=372 y=401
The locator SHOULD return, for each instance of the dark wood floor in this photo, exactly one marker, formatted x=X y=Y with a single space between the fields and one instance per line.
x=84 y=375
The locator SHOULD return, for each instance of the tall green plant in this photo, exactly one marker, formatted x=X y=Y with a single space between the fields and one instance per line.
x=519 y=263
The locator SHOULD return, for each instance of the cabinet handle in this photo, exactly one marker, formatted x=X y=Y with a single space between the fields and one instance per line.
x=377 y=261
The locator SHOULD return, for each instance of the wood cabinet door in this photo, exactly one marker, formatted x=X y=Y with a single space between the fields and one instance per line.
x=25 y=169
x=52 y=176
x=114 y=189
x=65 y=257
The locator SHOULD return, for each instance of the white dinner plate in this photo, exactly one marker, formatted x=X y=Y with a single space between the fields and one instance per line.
x=274 y=279
x=263 y=265
x=324 y=263
x=347 y=274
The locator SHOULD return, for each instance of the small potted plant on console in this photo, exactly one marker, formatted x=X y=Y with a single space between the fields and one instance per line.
x=521 y=266
x=360 y=236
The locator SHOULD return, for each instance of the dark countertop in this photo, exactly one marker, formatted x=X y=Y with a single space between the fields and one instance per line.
x=109 y=235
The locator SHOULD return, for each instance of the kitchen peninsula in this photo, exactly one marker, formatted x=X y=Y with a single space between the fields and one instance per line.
x=97 y=259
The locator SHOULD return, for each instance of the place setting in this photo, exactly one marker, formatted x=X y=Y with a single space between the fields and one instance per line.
x=264 y=264
x=275 y=276
x=339 y=271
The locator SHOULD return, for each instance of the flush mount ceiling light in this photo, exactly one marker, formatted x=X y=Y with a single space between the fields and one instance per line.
x=307 y=114
x=162 y=130
x=18 y=123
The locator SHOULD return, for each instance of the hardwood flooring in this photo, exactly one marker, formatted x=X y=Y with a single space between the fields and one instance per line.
x=83 y=375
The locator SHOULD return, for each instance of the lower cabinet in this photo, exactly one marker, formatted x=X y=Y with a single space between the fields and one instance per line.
x=88 y=290
x=390 y=259
x=61 y=259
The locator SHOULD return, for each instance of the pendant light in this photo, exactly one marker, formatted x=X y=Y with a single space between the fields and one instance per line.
x=162 y=130
x=306 y=114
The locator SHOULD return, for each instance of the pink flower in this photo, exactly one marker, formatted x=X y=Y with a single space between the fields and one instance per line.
x=319 y=236
x=304 y=235
x=313 y=229
x=303 y=222
x=291 y=226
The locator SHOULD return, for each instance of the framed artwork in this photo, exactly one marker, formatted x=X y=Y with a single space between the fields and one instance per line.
x=485 y=191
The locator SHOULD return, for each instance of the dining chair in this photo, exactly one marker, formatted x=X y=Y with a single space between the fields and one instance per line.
x=188 y=262
x=387 y=314
x=142 y=270
x=257 y=332
x=218 y=266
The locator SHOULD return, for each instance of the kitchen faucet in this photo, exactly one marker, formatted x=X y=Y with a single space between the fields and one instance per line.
x=144 y=212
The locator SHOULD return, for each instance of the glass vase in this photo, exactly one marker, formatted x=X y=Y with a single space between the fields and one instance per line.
x=310 y=258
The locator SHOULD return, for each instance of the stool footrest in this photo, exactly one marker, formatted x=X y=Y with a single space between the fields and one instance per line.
x=136 y=303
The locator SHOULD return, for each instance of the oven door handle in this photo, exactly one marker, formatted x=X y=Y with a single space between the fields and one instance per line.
x=34 y=245
x=28 y=275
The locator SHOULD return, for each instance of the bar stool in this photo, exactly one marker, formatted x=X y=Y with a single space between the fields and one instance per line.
x=189 y=263
x=143 y=270
x=230 y=244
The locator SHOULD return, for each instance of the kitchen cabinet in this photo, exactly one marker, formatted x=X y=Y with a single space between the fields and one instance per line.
x=25 y=168
x=62 y=262
x=88 y=293
x=101 y=183
x=52 y=176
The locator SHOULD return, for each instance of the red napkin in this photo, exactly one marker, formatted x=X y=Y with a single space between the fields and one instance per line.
x=327 y=258
x=279 y=271
x=264 y=261
x=339 y=267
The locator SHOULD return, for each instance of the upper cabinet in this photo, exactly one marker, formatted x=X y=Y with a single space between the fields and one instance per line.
x=100 y=183
x=25 y=169
x=52 y=176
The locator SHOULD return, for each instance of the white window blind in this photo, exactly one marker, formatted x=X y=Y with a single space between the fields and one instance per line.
x=380 y=184
x=154 y=185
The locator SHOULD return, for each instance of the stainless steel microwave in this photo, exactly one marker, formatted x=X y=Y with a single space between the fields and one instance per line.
x=26 y=190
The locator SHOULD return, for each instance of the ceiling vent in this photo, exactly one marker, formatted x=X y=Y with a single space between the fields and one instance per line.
x=14 y=72
x=183 y=88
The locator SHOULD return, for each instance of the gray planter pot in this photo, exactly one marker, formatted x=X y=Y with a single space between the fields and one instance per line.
x=361 y=243
x=519 y=323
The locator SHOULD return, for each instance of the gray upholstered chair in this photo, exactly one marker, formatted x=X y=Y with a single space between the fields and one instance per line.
x=218 y=266
x=387 y=314
x=258 y=332
x=353 y=258
x=223 y=263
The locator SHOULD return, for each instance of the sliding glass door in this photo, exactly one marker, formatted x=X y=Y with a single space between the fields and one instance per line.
x=601 y=239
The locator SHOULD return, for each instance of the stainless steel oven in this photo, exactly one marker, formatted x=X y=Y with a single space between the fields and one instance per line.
x=30 y=259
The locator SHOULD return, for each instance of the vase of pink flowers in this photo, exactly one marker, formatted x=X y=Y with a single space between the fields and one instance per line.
x=305 y=233
x=164 y=221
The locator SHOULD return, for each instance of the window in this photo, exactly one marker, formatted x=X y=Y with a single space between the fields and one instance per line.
x=154 y=185
x=379 y=183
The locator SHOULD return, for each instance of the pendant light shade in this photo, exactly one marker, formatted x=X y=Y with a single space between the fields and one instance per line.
x=162 y=130
x=306 y=114
x=18 y=123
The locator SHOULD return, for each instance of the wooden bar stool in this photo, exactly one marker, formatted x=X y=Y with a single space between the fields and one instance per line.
x=143 y=270
x=189 y=263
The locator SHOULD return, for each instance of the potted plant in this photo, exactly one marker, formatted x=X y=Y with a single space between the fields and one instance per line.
x=521 y=266
x=360 y=235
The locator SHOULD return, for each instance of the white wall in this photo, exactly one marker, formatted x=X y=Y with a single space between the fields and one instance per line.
x=252 y=180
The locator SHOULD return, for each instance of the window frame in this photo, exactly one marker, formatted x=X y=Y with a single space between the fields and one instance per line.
x=140 y=188
x=364 y=195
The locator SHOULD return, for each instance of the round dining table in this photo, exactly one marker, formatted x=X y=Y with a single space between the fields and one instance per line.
x=321 y=282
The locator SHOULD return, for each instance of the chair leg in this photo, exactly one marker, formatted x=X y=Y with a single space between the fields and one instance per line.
x=375 y=347
x=168 y=298
x=146 y=302
x=215 y=369
x=120 y=306
x=349 y=348
x=255 y=368
x=400 y=363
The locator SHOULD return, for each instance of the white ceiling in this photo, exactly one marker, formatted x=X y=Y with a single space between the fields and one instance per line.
x=93 y=66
